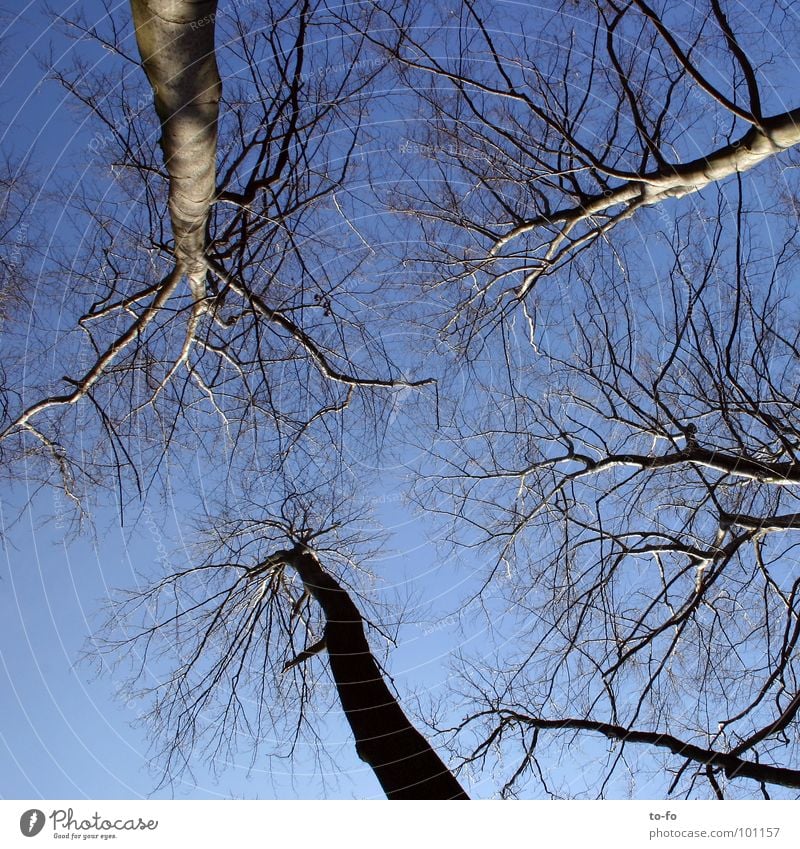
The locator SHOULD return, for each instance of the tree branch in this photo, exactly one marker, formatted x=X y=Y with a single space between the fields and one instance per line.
x=733 y=765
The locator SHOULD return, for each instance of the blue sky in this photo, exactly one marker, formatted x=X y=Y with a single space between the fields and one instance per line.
x=67 y=731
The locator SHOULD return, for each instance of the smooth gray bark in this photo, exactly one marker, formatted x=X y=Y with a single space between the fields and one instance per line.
x=176 y=44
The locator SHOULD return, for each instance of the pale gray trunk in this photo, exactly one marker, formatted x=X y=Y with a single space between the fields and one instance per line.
x=758 y=144
x=176 y=44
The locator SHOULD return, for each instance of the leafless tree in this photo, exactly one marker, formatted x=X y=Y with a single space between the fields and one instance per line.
x=641 y=504
x=237 y=632
x=590 y=187
x=546 y=129
x=261 y=361
x=614 y=433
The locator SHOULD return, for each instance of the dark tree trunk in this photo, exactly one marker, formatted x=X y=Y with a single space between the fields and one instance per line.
x=402 y=759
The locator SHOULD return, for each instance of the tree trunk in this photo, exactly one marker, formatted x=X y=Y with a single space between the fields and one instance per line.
x=176 y=44
x=402 y=759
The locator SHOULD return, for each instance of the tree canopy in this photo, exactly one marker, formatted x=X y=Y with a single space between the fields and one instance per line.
x=535 y=265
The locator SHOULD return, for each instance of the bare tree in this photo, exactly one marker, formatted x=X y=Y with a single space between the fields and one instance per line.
x=641 y=504
x=547 y=129
x=180 y=61
x=237 y=623
x=258 y=351
x=613 y=439
x=626 y=451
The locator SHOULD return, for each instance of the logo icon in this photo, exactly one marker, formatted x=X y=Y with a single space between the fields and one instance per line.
x=31 y=822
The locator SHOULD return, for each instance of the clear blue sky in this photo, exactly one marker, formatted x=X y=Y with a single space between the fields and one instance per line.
x=64 y=732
